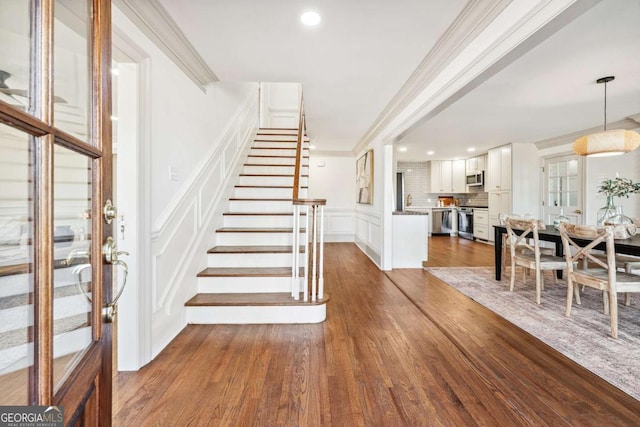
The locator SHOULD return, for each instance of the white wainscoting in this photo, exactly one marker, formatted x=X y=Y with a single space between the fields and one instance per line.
x=369 y=234
x=339 y=225
x=185 y=230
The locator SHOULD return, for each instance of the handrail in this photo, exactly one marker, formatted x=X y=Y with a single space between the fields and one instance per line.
x=312 y=283
x=298 y=167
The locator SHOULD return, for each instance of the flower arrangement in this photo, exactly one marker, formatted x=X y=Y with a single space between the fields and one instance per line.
x=618 y=187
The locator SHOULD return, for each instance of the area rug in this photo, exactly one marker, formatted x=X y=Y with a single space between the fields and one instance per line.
x=584 y=337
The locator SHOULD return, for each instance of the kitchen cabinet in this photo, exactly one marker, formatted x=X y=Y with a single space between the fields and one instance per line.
x=448 y=176
x=498 y=174
x=458 y=177
x=475 y=164
x=481 y=224
x=499 y=204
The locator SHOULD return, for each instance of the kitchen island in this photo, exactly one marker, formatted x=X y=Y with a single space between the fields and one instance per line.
x=410 y=239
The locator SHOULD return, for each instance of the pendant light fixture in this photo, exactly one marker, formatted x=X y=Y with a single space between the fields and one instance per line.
x=607 y=142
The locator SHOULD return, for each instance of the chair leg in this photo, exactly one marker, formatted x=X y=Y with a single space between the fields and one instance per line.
x=513 y=275
x=605 y=301
x=627 y=298
x=538 y=284
x=576 y=292
x=555 y=277
x=613 y=309
x=569 y=296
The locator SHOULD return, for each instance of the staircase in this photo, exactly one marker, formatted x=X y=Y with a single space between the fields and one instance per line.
x=249 y=274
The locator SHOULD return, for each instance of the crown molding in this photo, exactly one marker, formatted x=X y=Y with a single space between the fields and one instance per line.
x=156 y=23
x=628 y=124
x=472 y=20
x=483 y=36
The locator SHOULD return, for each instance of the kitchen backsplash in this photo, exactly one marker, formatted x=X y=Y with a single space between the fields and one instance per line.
x=417 y=183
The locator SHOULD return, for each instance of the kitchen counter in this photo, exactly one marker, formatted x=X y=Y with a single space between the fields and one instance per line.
x=410 y=212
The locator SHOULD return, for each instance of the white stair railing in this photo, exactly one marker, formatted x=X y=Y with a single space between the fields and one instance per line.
x=310 y=285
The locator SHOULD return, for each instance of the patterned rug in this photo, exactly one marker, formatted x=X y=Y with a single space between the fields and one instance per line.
x=584 y=337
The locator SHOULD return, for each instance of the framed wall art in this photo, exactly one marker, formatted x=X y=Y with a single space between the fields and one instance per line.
x=364 y=178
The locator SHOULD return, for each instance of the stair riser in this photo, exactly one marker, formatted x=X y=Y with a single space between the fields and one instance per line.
x=258 y=221
x=267 y=152
x=250 y=260
x=273 y=170
x=267 y=193
x=254 y=239
x=251 y=206
x=264 y=142
x=257 y=314
x=270 y=180
x=287 y=136
x=272 y=160
x=230 y=285
x=262 y=193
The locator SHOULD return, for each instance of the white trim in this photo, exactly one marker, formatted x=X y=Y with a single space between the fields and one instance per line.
x=246 y=315
x=156 y=23
x=628 y=124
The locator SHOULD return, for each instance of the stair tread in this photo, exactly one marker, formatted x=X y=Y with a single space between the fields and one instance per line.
x=252 y=249
x=266 y=186
x=246 y=272
x=249 y=299
x=256 y=230
x=276 y=157
x=265 y=174
x=261 y=213
x=272 y=165
x=237 y=199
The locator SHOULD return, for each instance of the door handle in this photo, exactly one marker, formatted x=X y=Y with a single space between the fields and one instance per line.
x=112 y=256
x=578 y=211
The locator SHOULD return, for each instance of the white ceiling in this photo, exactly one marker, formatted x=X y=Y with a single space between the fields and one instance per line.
x=363 y=52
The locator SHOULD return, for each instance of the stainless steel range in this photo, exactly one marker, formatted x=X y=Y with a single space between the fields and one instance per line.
x=465 y=223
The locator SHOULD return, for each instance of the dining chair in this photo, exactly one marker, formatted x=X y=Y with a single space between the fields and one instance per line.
x=506 y=251
x=532 y=257
x=579 y=242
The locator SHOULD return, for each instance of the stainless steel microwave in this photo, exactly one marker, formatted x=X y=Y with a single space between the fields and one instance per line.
x=476 y=178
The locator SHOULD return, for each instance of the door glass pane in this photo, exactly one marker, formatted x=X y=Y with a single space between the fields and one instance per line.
x=16 y=257
x=15 y=52
x=72 y=244
x=72 y=81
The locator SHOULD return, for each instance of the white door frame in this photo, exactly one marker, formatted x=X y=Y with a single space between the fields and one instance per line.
x=134 y=339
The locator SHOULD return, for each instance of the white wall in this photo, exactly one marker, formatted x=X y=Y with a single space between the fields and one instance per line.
x=369 y=218
x=201 y=138
x=332 y=177
x=279 y=105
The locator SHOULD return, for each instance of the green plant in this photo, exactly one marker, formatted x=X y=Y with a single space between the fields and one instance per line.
x=618 y=187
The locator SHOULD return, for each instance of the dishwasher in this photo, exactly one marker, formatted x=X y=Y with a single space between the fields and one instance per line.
x=442 y=221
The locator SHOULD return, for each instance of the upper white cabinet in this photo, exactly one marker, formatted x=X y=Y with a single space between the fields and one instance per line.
x=448 y=176
x=475 y=164
x=441 y=176
x=498 y=175
x=458 y=177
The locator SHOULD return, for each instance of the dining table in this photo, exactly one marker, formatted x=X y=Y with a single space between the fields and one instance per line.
x=630 y=246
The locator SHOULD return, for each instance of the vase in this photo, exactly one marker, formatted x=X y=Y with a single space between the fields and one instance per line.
x=606 y=211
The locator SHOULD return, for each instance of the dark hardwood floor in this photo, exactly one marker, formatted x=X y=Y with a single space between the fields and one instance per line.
x=397 y=349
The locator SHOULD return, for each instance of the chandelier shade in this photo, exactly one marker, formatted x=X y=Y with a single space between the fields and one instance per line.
x=608 y=143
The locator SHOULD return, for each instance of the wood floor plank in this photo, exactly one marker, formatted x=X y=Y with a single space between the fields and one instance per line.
x=397 y=349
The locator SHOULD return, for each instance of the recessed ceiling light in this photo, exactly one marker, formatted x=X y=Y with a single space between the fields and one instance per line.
x=310 y=18
x=430 y=153
x=402 y=149
x=471 y=149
